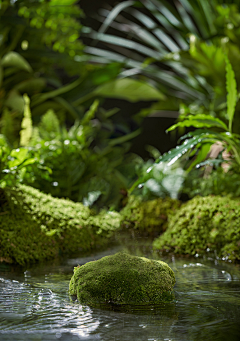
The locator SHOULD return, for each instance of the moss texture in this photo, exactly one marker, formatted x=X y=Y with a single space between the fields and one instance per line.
x=35 y=226
x=204 y=222
x=148 y=218
x=122 y=279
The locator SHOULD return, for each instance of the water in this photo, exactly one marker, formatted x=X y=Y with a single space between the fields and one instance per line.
x=34 y=305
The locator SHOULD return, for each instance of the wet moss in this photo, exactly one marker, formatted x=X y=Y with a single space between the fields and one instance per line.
x=148 y=218
x=204 y=223
x=35 y=226
x=122 y=279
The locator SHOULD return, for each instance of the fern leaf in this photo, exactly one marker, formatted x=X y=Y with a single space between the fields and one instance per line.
x=26 y=132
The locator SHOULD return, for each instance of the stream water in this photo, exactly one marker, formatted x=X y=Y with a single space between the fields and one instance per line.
x=34 y=304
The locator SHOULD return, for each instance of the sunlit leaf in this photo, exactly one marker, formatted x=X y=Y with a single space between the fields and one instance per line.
x=130 y=90
x=200 y=121
x=26 y=132
x=14 y=59
x=201 y=155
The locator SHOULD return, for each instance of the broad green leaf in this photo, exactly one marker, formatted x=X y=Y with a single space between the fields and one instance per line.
x=26 y=132
x=173 y=155
x=14 y=59
x=202 y=154
x=15 y=101
x=200 y=121
x=18 y=155
x=130 y=90
x=31 y=86
x=231 y=87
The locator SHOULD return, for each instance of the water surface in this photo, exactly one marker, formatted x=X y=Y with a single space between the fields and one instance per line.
x=34 y=304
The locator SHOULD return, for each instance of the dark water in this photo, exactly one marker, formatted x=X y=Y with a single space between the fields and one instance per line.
x=34 y=305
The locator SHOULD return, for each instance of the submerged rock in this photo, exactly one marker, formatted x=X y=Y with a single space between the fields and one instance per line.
x=123 y=279
x=203 y=224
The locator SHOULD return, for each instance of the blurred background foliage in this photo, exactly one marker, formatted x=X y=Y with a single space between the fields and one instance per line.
x=56 y=72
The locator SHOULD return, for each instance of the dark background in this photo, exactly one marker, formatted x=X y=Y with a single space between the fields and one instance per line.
x=153 y=128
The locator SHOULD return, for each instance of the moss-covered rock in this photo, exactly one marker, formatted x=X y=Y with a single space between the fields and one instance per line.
x=211 y=222
x=148 y=218
x=122 y=279
x=35 y=226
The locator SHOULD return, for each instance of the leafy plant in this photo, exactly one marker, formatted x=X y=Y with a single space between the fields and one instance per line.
x=158 y=180
x=196 y=145
x=13 y=164
x=177 y=46
x=82 y=169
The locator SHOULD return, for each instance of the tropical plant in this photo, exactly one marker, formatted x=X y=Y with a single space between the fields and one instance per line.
x=177 y=46
x=157 y=179
x=49 y=65
x=209 y=130
x=76 y=163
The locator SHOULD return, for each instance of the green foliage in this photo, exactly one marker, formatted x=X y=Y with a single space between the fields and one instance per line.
x=196 y=145
x=35 y=226
x=80 y=171
x=122 y=279
x=218 y=182
x=13 y=164
x=158 y=180
x=179 y=47
x=209 y=223
x=148 y=218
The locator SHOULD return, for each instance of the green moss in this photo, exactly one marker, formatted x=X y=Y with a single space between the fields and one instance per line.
x=122 y=279
x=35 y=226
x=148 y=218
x=204 y=222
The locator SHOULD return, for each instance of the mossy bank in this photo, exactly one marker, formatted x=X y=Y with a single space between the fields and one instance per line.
x=35 y=226
x=148 y=218
x=203 y=224
x=122 y=279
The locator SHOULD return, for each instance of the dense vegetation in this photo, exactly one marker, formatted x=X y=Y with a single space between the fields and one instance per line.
x=56 y=136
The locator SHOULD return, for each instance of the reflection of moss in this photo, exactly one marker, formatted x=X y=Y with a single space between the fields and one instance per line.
x=148 y=217
x=122 y=279
x=204 y=222
x=35 y=226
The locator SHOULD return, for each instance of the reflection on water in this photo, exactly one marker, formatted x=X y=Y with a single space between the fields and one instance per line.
x=34 y=305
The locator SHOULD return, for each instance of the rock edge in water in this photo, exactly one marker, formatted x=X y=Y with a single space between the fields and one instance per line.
x=122 y=279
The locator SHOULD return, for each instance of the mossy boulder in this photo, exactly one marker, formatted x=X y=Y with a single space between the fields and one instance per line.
x=122 y=279
x=204 y=223
x=148 y=218
x=35 y=226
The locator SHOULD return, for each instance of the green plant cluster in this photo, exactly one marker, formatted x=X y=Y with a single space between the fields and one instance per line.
x=69 y=165
x=35 y=226
x=148 y=218
x=218 y=182
x=122 y=279
x=203 y=224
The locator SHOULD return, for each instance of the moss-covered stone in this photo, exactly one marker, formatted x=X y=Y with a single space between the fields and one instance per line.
x=122 y=279
x=35 y=226
x=211 y=222
x=148 y=218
